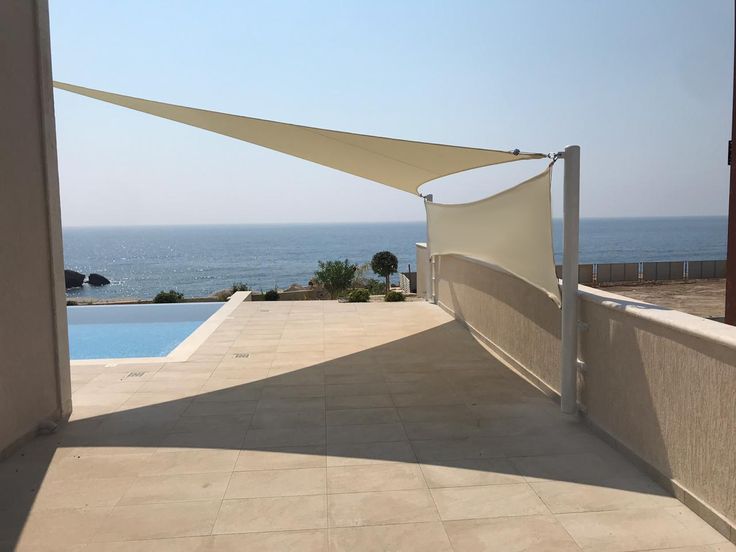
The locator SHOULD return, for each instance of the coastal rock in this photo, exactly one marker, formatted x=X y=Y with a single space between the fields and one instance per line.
x=97 y=280
x=73 y=279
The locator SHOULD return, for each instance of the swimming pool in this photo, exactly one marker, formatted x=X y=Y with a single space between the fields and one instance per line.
x=133 y=331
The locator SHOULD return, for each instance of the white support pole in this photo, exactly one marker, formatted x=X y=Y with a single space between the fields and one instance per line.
x=571 y=229
x=430 y=262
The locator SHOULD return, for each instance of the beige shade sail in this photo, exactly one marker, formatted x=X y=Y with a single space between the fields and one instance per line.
x=401 y=164
x=512 y=230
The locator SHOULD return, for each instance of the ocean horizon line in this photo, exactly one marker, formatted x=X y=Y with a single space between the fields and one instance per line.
x=347 y=223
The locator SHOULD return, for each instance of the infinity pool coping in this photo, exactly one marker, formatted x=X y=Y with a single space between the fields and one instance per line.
x=186 y=348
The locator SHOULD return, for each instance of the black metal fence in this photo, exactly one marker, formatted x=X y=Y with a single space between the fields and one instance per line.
x=667 y=271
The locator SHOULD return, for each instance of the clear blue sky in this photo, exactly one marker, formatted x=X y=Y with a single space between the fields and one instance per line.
x=643 y=86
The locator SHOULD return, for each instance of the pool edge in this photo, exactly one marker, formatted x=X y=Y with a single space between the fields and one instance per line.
x=186 y=348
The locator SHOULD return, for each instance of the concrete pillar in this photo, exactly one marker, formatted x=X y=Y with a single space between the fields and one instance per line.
x=34 y=351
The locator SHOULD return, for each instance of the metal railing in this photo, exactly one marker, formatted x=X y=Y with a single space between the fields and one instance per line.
x=660 y=271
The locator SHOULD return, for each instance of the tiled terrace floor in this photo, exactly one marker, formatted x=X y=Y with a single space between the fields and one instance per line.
x=316 y=426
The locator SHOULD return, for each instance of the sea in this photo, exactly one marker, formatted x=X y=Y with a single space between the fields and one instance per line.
x=140 y=261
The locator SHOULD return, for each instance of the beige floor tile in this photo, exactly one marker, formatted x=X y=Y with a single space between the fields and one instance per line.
x=359 y=401
x=155 y=521
x=510 y=534
x=369 y=433
x=264 y=419
x=82 y=492
x=282 y=482
x=176 y=488
x=291 y=420
x=452 y=413
x=369 y=453
x=375 y=477
x=407 y=537
x=190 y=461
x=283 y=437
x=208 y=408
x=442 y=451
x=217 y=422
x=471 y=472
x=182 y=544
x=356 y=389
x=648 y=529
x=427 y=399
x=305 y=403
x=381 y=508
x=586 y=467
x=487 y=501
x=98 y=467
x=280 y=541
x=281 y=458
x=295 y=390
x=362 y=416
x=722 y=547
x=564 y=497
x=60 y=527
x=229 y=390
x=227 y=439
x=255 y=515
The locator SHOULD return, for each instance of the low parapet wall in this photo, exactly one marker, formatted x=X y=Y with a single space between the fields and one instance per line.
x=659 y=384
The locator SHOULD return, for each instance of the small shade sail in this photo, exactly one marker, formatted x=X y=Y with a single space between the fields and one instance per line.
x=401 y=164
x=512 y=230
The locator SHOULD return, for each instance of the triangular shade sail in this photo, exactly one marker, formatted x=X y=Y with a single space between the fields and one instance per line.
x=512 y=229
x=401 y=164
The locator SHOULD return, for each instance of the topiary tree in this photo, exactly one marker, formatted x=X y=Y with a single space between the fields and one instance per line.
x=385 y=263
x=335 y=276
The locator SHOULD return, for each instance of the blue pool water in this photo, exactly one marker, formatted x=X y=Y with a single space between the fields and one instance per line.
x=132 y=331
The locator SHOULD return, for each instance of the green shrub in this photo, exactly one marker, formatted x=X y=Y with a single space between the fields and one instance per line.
x=335 y=276
x=359 y=296
x=385 y=263
x=240 y=286
x=362 y=280
x=271 y=295
x=394 y=296
x=171 y=296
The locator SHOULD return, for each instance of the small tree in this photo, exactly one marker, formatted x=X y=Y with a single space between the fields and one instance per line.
x=335 y=276
x=385 y=263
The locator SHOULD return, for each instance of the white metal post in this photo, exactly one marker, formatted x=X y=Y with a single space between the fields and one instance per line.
x=571 y=229
x=430 y=264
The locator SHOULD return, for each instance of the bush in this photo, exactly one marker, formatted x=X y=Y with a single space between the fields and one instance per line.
x=240 y=286
x=271 y=295
x=359 y=296
x=394 y=296
x=361 y=280
x=335 y=276
x=171 y=296
x=70 y=303
x=385 y=263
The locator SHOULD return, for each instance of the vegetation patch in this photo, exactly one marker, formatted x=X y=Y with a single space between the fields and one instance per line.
x=171 y=296
x=335 y=276
x=394 y=296
x=359 y=296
